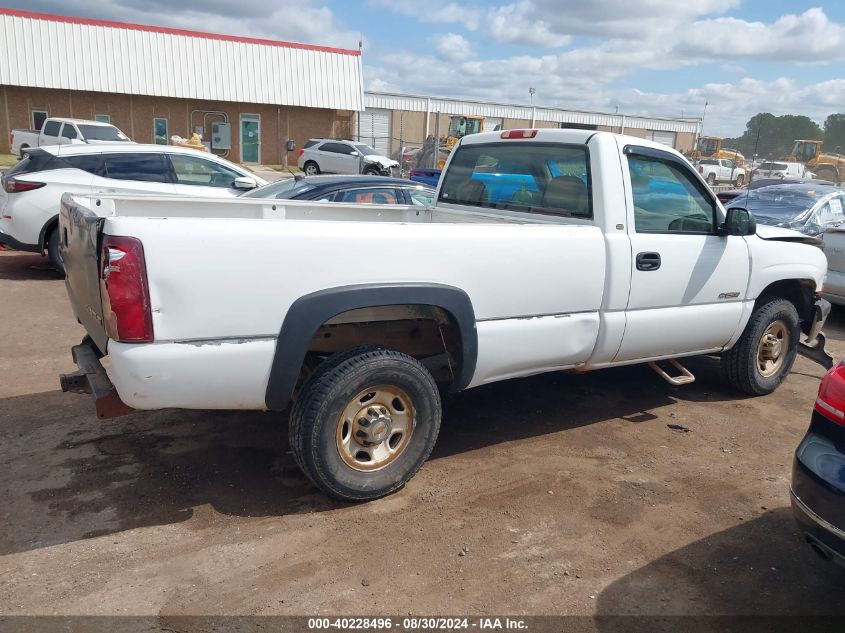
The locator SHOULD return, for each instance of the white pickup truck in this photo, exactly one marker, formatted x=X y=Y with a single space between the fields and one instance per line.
x=546 y=250
x=715 y=170
x=59 y=131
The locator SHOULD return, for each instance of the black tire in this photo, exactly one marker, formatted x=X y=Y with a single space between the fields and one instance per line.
x=21 y=153
x=53 y=252
x=311 y=168
x=371 y=171
x=740 y=180
x=711 y=179
x=315 y=422
x=740 y=363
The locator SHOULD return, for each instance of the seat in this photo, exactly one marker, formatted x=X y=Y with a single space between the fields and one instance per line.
x=471 y=192
x=567 y=193
x=379 y=198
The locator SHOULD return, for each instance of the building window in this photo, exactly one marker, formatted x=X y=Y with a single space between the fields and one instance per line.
x=38 y=118
x=160 y=135
x=102 y=118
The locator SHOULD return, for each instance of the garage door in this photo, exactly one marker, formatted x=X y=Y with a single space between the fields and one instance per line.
x=491 y=124
x=667 y=138
x=374 y=129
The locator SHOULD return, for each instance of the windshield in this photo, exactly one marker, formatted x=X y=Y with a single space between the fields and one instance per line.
x=804 y=151
x=286 y=189
x=102 y=133
x=707 y=146
x=366 y=150
x=550 y=179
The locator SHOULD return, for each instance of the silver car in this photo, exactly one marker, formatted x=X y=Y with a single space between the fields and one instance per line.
x=332 y=156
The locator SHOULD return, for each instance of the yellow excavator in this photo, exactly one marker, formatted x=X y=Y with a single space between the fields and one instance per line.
x=826 y=165
x=711 y=147
x=459 y=127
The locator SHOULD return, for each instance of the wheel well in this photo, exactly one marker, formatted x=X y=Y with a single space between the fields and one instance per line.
x=434 y=323
x=428 y=333
x=46 y=230
x=799 y=292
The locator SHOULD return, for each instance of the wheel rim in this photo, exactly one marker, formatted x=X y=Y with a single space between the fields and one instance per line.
x=375 y=427
x=772 y=349
x=310 y=170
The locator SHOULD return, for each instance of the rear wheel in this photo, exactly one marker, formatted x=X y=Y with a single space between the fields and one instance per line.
x=766 y=351
x=311 y=168
x=21 y=153
x=53 y=251
x=364 y=423
x=711 y=179
x=740 y=179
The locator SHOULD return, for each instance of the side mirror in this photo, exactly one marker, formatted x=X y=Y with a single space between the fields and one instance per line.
x=738 y=221
x=354 y=153
x=244 y=182
x=290 y=146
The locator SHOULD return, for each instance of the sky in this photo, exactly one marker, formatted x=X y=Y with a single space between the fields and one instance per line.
x=652 y=57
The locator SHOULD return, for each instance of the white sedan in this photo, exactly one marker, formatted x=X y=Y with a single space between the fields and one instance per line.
x=32 y=189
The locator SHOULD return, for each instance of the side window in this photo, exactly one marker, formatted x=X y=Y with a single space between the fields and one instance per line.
x=192 y=170
x=144 y=167
x=369 y=195
x=310 y=144
x=68 y=131
x=421 y=197
x=336 y=148
x=92 y=163
x=51 y=128
x=831 y=213
x=667 y=199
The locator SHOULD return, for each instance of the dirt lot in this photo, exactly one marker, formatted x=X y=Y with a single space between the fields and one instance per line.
x=570 y=494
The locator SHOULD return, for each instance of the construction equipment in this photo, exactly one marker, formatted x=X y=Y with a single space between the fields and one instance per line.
x=459 y=127
x=826 y=165
x=711 y=147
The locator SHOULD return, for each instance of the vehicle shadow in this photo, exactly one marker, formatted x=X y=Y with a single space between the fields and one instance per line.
x=71 y=476
x=760 y=568
x=20 y=266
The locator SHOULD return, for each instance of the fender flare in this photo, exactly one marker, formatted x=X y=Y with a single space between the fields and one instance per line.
x=309 y=312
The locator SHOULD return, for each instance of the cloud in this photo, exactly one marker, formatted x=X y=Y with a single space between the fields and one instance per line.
x=436 y=11
x=452 y=47
x=512 y=24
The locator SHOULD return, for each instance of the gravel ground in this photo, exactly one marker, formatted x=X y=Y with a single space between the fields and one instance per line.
x=560 y=494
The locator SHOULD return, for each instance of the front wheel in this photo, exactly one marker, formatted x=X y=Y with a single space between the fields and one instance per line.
x=766 y=351
x=364 y=423
x=740 y=179
x=372 y=171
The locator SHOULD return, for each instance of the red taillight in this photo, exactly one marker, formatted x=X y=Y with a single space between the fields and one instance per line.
x=831 y=399
x=519 y=133
x=299 y=152
x=13 y=185
x=126 y=295
x=700 y=170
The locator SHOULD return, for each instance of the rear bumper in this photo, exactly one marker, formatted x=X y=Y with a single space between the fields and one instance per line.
x=91 y=378
x=11 y=242
x=828 y=539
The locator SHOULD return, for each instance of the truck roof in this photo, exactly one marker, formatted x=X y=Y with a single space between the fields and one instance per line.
x=78 y=121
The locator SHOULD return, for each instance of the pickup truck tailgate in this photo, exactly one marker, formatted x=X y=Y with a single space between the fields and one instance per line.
x=81 y=235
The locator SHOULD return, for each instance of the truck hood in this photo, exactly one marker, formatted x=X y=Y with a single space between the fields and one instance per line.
x=779 y=234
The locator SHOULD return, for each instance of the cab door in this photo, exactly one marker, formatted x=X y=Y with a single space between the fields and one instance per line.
x=688 y=283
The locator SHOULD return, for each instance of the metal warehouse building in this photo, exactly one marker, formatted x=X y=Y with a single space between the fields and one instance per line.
x=245 y=96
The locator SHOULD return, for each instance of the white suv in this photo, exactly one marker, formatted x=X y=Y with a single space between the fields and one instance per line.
x=32 y=189
x=332 y=156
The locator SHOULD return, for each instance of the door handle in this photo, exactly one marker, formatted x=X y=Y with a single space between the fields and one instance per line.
x=648 y=261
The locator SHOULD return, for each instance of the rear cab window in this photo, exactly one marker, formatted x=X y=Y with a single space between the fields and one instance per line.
x=529 y=177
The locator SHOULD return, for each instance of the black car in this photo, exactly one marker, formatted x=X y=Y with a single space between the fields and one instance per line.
x=360 y=189
x=818 y=471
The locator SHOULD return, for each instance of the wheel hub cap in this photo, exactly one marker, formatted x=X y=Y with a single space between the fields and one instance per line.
x=375 y=427
x=771 y=350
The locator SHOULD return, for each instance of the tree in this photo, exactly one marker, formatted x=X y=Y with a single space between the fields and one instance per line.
x=834 y=133
x=776 y=134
